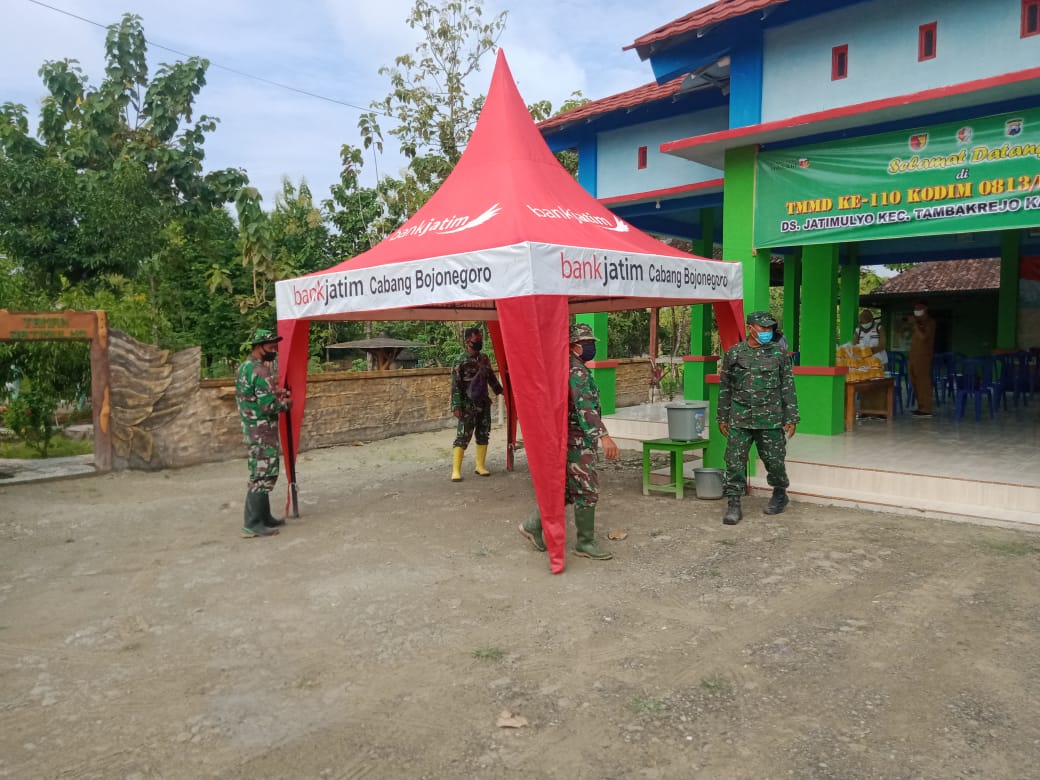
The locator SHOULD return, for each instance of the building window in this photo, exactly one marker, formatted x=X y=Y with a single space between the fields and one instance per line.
x=926 y=41
x=641 y=162
x=840 y=61
x=1030 y=17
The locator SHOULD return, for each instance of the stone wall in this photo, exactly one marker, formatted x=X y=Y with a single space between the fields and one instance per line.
x=164 y=417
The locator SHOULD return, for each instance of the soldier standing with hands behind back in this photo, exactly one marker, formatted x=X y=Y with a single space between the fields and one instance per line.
x=259 y=404
x=471 y=376
x=757 y=405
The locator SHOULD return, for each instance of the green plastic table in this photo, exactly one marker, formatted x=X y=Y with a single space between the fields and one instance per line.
x=677 y=481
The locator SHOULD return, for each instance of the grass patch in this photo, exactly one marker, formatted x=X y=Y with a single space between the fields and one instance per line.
x=1011 y=549
x=648 y=705
x=489 y=653
x=60 y=447
x=728 y=542
x=715 y=683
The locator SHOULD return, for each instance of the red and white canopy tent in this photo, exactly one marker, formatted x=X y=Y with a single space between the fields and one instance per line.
x=511 y=239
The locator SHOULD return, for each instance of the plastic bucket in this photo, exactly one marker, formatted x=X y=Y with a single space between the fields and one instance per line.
x=687 y=420
x=708 y=483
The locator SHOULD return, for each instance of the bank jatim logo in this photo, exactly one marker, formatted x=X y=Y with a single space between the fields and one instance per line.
x=313 y=292
x=918 y=141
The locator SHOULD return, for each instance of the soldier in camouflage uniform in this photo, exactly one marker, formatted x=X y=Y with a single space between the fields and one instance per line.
x=471 y=375
x=259 y=404
x=757 y=404
x=585 y=430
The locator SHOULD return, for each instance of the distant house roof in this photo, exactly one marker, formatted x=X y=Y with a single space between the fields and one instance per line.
x=648 y=93
x=943 y=277
x=707 y=16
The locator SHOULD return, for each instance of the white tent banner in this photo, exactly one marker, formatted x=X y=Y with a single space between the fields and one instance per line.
x=503 y=272
x=583 y=271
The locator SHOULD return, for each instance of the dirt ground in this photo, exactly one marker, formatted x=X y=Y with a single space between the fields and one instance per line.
x=384 y=634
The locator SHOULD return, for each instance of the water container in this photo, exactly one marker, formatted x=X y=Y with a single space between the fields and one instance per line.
x=687 y=420
x=708 y=483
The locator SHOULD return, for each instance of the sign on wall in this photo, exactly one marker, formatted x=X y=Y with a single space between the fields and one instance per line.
x=975 y=175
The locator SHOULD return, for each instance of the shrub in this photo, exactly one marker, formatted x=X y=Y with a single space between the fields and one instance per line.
x=31 y=417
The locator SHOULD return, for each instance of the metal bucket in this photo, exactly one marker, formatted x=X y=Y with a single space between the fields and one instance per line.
x=708 y=482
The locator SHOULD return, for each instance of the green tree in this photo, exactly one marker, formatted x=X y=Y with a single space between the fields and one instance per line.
x=112 y=165
x=430 y=98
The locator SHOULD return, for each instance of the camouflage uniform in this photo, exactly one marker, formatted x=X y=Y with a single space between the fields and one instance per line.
x=756 y=398
x=472 y=375
x=584 y=429
x=258 y=409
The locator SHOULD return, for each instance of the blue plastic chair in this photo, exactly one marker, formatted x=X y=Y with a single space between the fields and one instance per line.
x=974 y=378
x=1015 y=377
x=944 y=376
x=900 y=380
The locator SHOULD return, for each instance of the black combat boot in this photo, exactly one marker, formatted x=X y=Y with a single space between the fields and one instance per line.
x=733 y=514
x=270 y=521
x=778 y=502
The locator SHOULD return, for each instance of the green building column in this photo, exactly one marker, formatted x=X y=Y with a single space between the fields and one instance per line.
x=820 y=386
x=792 y=299
x=849 y=297
x=1007 y=296
x=701 y=363
x=738 y=221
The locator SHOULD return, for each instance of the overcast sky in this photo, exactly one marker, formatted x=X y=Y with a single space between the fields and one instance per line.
x=333 y=48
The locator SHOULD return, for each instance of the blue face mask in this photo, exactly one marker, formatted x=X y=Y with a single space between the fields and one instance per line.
x=588 y=351
x=765 y=336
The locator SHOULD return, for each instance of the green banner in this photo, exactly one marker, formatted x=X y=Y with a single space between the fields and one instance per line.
x=979 y=174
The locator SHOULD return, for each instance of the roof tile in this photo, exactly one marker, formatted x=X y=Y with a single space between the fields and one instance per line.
x=648 y=93
x=943 y=276
x=703 y=17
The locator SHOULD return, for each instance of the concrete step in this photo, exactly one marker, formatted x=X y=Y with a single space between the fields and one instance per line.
x=907 y=493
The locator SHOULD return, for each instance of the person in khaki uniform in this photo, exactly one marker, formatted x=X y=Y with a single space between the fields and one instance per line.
x=919 y=364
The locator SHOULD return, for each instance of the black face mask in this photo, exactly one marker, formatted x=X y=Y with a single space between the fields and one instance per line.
x=267 y=357
x=477 y=345
x=588 y=351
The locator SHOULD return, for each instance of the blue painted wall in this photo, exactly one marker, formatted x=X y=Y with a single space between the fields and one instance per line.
x=974 y=40
x=617 y=153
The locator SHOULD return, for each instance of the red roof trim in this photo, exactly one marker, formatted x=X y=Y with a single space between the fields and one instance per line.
x=855 y=109
x=710 y=184
x=715 y=13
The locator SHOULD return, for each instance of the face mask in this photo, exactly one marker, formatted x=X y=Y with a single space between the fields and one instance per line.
x=866 y=326
x=588 y=351
x=765 y=336
x=267 y=357
x=477 y=345
x=918 y=312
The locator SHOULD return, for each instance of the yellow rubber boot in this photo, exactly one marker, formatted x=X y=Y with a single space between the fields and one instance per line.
x=456 y=464
x=481 y=469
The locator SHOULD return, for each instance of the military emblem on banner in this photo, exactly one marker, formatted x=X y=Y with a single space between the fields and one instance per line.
x=964 y=135
x=803 y=162
x=1013 y=127
x=919 y=141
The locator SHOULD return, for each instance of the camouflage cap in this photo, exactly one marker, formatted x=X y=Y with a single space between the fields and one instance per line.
x=581 y=332
x=762 y=319
x=263 y=336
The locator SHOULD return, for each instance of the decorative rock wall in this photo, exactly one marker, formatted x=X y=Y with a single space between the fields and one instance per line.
x=164 y=416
